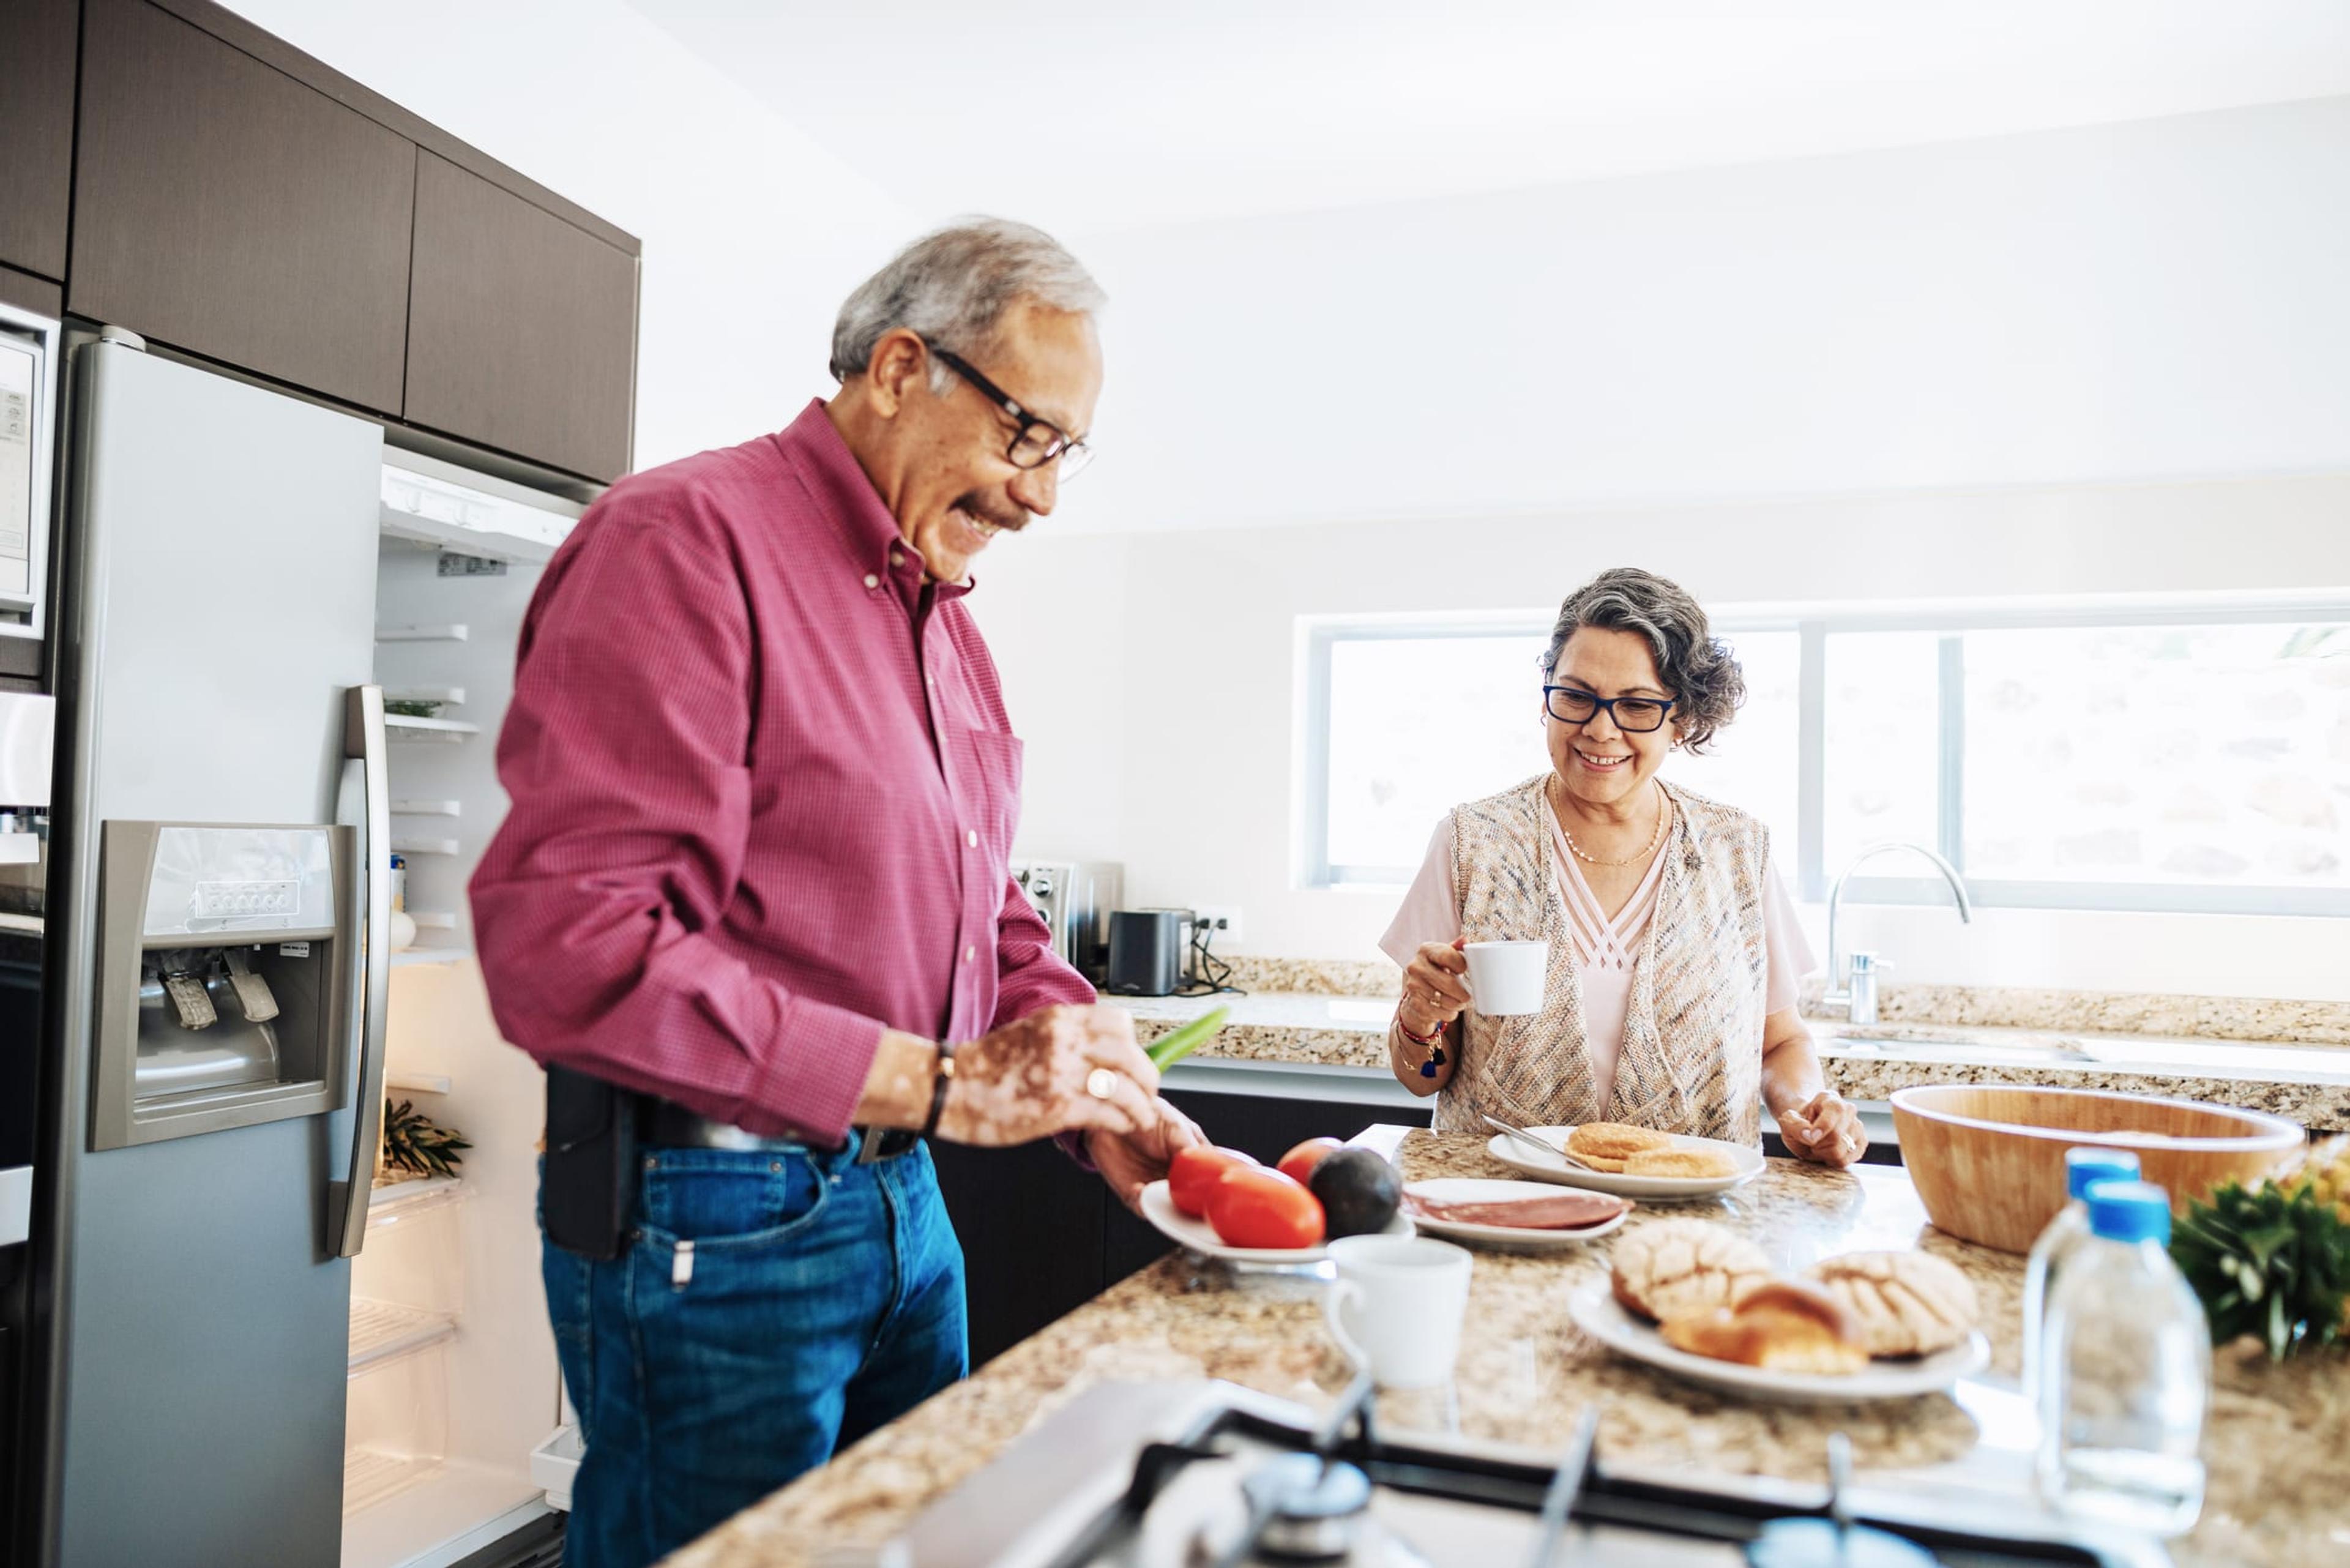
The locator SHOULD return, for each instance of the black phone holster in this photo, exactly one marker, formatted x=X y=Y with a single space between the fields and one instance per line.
x=587 y=1196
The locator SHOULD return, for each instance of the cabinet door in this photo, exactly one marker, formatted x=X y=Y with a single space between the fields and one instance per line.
x=225 y=208
x=37 y=89
x=521 y=330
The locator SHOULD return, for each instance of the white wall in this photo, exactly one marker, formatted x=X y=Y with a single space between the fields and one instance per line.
x=2156 y=299
x=1153 y=677
x=594 y=101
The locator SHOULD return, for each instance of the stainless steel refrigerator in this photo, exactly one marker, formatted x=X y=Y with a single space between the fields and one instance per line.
x=242 y=576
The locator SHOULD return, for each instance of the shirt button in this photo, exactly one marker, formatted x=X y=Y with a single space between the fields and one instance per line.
x=871 y=581
x=971 y=837
x=896 y=559
x=970 y=954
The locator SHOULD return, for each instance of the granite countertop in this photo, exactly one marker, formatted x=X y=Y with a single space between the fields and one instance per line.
x=2273 y=1444
x=2309 y=1083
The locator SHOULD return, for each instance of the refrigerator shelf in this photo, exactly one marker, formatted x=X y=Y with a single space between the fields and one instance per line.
x=453 y=632
x=432 y=953
x=404 y=727
x=428 y=808
x=371 y=1476
x=403 y=845
x=393 y=1201
x=383 y=1332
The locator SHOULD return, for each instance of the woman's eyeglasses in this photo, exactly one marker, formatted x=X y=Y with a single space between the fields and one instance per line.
x=1037 y=441
x=1574 y=705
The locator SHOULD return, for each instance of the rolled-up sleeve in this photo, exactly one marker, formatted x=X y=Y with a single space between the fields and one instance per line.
x=625 y=754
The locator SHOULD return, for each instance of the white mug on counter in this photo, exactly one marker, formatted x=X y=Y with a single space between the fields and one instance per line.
x=1396 y=1307
x=1505 y=979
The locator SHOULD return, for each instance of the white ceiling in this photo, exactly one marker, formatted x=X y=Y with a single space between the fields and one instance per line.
x=1084 y=115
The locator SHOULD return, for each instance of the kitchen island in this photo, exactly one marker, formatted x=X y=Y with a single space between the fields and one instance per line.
x=2273 y=1442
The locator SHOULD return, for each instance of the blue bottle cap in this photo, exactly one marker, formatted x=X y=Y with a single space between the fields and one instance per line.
x=2084 y=1166
x=2129 y=1211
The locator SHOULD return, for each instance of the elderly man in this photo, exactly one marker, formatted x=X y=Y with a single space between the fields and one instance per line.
x=750 y=903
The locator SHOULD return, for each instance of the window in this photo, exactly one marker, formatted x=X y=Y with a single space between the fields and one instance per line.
x=2186 y=755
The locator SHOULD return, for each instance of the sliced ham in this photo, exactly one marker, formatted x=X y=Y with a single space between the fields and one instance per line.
x=1559 y=1212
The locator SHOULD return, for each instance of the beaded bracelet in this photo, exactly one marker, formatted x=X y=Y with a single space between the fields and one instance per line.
x=1434 y=1043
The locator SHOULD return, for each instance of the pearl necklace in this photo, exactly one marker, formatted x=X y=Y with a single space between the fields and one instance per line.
x=1664 y=815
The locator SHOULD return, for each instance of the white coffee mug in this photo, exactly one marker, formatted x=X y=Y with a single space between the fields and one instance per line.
x=1397 y=1306
x=1506 y=978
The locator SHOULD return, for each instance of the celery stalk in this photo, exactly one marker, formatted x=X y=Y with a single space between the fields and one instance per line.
x=1172 y=1047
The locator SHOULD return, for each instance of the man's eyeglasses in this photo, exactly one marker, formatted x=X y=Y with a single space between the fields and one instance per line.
x=1574 y=705
x=1038 y=441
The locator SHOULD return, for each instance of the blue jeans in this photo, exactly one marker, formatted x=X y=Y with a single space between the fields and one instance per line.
x=820 y=1298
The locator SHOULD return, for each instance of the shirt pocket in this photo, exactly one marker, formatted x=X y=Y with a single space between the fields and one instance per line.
x=987 y=777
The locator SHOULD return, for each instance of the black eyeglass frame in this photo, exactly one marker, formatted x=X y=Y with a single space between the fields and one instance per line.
x=1062 y=444
x=1608 y=705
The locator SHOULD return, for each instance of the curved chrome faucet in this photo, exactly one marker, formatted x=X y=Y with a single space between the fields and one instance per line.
x=1855 y=985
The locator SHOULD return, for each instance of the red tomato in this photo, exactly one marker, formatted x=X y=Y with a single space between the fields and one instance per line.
x=1298 y=1163
x=1253 y=1207
x=1195 y=1172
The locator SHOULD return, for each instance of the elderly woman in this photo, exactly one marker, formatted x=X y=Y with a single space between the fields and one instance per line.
x=1671 y=997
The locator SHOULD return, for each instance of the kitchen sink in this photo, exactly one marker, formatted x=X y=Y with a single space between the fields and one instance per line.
x=1975 y=1051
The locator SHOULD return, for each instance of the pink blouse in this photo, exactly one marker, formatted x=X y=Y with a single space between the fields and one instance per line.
x=1605 y=948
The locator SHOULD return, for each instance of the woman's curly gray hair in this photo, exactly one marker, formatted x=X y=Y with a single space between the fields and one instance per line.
x=1697 y=668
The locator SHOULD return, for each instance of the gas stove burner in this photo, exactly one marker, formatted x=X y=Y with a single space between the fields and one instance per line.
x=1210 y=1476
x=1312 y=1508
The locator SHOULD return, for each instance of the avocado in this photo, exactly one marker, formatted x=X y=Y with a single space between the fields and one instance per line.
x=1359 y=1193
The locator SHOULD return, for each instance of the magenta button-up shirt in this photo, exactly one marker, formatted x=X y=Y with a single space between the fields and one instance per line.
x=764 y=797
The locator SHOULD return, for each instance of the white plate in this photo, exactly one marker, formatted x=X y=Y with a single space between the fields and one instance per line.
x=1519 y=1238
x=1598 y=1314
x=1655 y=1188
x=1199 y=1236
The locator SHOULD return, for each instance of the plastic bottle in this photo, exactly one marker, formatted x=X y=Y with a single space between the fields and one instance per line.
x=2057 y=1240
x=2125 y=1371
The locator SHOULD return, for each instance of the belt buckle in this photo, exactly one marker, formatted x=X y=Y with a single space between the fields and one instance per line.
x=875 y=1144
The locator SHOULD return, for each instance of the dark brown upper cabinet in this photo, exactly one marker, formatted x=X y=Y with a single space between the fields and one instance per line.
x=223 y=207
x=522 y=328
x=36 y=78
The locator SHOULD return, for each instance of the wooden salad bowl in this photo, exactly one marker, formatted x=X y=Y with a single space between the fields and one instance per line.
x=1989 y=1159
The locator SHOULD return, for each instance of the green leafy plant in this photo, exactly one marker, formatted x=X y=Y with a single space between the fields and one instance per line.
x=415 y=1143
x=2270 y=1260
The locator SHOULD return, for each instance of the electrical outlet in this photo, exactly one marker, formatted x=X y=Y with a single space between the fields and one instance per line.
x=1223 y=923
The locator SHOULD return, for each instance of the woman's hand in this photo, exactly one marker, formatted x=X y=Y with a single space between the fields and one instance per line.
x=1434 y=988
x=1824 y=1128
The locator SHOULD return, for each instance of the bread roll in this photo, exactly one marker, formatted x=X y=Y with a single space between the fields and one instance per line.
x=1785 y=1325
x=1693 y=1163
x=1605 y=1146
x=1675 y=1268
x=1907 y=1303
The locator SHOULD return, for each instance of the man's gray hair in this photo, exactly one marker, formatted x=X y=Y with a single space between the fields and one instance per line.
x=952 y=285
x=1697 y=668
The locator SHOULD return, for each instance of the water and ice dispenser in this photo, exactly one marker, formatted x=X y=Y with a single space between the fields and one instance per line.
x=225 y=989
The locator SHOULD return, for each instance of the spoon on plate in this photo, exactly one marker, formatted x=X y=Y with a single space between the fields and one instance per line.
x=1542 y=1144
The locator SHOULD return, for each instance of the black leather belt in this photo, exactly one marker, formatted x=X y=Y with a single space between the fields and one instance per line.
x=666 y=1124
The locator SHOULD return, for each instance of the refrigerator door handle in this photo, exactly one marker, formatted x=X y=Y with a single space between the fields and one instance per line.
x=363 y=741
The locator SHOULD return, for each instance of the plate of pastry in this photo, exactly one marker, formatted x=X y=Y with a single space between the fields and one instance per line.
x=1632 y=1162
x=1698 y=1300
x=1523 y=1216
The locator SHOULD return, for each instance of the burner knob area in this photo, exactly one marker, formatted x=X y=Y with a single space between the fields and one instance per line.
x=1313 y=1510
x=1821 y=1544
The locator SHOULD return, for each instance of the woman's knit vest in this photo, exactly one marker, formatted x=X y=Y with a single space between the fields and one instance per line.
x=1692 y=1056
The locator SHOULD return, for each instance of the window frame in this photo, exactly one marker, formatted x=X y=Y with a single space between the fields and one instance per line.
x=1814 y=625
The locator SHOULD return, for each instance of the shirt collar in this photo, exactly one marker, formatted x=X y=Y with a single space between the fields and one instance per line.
x=843 y=491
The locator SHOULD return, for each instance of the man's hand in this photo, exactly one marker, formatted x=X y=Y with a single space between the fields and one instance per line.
x=1030 y=1079
x=1132 y=1161
x=1824 y=1128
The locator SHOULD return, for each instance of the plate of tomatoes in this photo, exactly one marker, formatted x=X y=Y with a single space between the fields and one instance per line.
x=1223 y=1204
